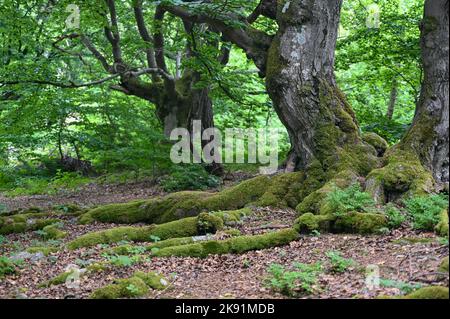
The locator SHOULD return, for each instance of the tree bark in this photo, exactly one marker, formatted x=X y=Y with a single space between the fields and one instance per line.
x=428 y=136
x=392 y=100
x=301 y=82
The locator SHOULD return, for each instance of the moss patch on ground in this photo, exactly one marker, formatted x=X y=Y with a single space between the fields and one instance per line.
x=432 y=292
x=136 y=286
x=62 y=277
x=23 y=223
x=46 y=250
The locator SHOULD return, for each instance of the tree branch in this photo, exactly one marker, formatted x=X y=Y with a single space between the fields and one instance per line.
x=254 y=42
x=70 y=85
x=139 y=16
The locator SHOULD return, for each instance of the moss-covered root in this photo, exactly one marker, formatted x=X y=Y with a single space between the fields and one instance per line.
x=23 y=223
x=235 y=245
x=180 y=205
x=432 y=292
x=442 y=226
x=136 y=286
x=376 y=141
x=401 y=176
x=186 y=227
x=353 y=222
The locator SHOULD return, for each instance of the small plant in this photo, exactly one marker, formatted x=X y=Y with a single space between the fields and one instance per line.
x=394 y=216
x=342 y=201
x=133 y=289
x=338 y=263
x=189 y=177
x=3 y=240
x=426 y=210
x=7 y=266
x=404 y=287
x=302 y=280
x=136 y=250
x=154 y=239
x=123 y=261
x=315 y=233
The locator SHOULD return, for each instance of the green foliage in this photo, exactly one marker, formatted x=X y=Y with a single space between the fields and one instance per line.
x=7 y=266
x=123 y=261
x=404 y=287
x=189 y=177
x=338 y=263
x=426 y=210
x=395 y=217
x=301 y=280
x=352 y=199
x=371 y=62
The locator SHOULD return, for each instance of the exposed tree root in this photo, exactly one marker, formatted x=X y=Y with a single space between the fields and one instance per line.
x=402 y=175
x=235 y=245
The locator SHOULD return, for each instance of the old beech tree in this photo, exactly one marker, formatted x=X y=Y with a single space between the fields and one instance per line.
x=298 y=64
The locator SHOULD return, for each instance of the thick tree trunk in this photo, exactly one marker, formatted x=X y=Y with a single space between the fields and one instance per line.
x=300 y=81
x=428 y=136
x=392 y=100
x=179 y=105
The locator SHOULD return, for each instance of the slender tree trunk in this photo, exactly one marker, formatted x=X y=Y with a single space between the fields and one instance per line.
x=392 y=100
x=300 y=81
x=428 y=136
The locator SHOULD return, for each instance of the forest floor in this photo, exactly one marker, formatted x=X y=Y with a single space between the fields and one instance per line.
x=405 y=258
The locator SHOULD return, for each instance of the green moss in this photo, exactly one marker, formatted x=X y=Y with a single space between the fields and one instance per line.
x=443 y=267
x=45 y=250
x=233 y=232
x=62 y=277
x=55 y=281
x=237 y=245
x=442 y=226
x=316 y=201
x=402 y=176
x=376 y=141
x=283 y=191
x=362 y=223
x=432 y=292
x=23 y=223
x=185 y=227
x=136 y=286
x=180 y=205
x=231 y=217
x=52 y=232
x=111 y=236
x=122 y=288
x=152 y=280
x=308 y=223
x=353 y=222
x=208 y=223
